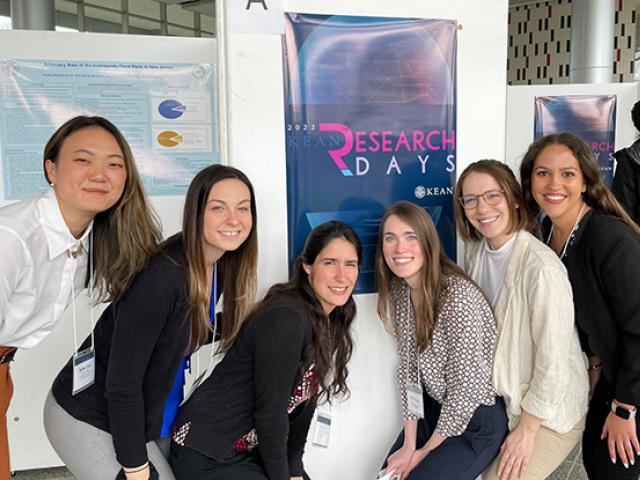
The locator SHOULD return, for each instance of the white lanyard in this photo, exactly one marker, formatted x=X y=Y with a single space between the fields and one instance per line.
x=83 y=361
x=575 y=227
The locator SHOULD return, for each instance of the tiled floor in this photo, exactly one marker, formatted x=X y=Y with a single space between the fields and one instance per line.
x=571 y=469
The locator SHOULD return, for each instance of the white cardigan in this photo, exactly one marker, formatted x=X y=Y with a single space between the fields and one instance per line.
x=538 y=366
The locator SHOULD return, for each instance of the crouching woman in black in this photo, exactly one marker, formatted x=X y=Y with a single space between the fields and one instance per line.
x=249 y=419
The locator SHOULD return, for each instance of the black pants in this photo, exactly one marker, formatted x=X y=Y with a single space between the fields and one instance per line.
x=188 y=464
x=595 y=452
x=463 y=457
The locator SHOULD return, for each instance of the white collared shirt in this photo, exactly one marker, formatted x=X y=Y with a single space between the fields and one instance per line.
x=37 y=269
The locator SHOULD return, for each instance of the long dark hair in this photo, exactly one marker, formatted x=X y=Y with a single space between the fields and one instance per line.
x=236 y=269
x=596 y=195
x=332 y=344
x=126 y=235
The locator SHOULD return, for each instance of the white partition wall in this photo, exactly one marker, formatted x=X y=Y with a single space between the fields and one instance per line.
x=366 y=424
x=521 y=113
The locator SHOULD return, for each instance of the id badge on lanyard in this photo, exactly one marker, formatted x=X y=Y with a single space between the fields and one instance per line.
x=415 y=400
x=84 y=361
x=322 y=431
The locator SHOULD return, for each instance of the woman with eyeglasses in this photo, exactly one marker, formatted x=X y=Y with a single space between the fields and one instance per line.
x=599 y=245
x=539 y=369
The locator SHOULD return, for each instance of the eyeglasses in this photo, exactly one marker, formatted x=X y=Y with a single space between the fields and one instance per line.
x=490 y=197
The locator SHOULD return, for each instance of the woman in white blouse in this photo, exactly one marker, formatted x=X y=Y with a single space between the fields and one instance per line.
x=96 y=206
x=453 y=423
x=539 y=369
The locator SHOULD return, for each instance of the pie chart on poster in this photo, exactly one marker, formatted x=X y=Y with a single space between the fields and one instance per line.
x=169 y=139
x=171 y=109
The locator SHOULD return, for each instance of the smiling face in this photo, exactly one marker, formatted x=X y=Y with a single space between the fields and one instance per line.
x=88 y=175
x=557 y=184
x=334 y=273
x=227 y=218
x=402 y=251
x=493 y=222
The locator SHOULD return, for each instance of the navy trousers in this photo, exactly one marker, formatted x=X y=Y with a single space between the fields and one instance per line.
x=463 y=457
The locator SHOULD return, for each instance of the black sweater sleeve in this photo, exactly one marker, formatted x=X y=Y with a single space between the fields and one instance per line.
x=140 y=317
x=278 y=345
x=620 y=270
x=298 y=430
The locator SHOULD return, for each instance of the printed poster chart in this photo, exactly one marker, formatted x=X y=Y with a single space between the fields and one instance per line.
x=166 y=112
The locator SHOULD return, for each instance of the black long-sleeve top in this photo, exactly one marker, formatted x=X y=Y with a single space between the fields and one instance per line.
x=139 y=344
x=603 y=262
x=251 y=389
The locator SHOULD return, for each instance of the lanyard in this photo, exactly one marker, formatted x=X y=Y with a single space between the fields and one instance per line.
x=575 y=227
x=214 y=294
x=74 y=256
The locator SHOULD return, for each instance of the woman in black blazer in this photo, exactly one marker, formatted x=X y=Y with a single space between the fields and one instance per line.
x=600 y=246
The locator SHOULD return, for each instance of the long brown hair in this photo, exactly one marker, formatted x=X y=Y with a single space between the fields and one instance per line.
x=332 y=344
x=502 y=174
x=436 y=264
x=126 y=235
x=236 y=269
x=596 y=195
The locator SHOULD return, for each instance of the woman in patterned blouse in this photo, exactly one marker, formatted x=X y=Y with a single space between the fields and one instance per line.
x=249 y=420
x=453 y=422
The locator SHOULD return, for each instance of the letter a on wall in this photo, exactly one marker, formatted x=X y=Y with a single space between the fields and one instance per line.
x=255 y=16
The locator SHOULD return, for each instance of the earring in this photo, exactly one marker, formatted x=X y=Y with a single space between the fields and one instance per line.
x=52 y=185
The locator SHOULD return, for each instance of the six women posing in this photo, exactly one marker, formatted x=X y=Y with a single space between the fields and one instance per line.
x=250 y=418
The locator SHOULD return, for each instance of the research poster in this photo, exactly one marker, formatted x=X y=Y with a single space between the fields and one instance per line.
x=370 y=119
x=166 y=111
x=590 y=117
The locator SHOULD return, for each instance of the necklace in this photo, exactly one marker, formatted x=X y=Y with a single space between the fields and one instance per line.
x=575 y=227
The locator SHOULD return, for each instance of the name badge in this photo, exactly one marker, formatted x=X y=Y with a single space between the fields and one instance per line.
x=84 y=369
x=322 y=431
x=415 y=401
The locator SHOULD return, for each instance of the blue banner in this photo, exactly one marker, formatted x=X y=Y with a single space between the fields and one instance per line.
x=590 y=117
x=370 y=120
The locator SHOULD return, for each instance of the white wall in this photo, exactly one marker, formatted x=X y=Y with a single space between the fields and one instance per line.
x=365 y=425
x=521 y=113
x=34 y=370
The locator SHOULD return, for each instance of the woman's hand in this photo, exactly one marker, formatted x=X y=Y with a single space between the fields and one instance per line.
x=434 y=442
x=136 y=474
x=517 y=448
x=622 y=438
x=399 y=461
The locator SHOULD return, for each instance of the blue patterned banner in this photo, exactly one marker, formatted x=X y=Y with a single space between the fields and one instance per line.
x=370 y=120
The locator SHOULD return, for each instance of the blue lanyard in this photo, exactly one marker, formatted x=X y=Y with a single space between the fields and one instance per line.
x=214 y=294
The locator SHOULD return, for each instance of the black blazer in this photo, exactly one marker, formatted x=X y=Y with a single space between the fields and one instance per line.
x=603 y=262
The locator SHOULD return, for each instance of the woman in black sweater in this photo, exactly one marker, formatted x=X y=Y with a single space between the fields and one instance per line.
x=600 y=247
x=249 y=419
x=143 y=341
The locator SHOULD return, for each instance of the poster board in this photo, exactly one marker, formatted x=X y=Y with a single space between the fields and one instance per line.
x=521 y=113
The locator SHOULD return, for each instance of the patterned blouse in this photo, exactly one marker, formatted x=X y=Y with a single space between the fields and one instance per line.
x=455 y=368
